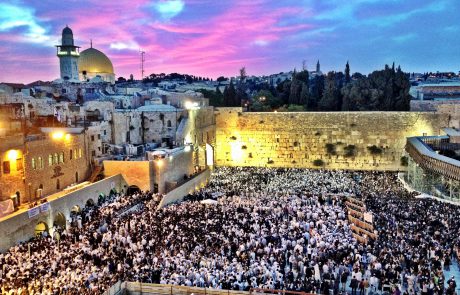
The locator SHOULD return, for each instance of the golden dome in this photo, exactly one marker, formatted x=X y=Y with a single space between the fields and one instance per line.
x=93 y=61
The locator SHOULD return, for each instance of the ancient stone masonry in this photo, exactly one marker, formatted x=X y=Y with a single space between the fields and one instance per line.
x=335 y=140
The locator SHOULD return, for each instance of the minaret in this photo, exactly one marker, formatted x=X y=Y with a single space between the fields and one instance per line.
x=68 y=55
x=317 y=67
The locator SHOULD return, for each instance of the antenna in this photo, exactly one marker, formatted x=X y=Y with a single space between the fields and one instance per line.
x=142 y=53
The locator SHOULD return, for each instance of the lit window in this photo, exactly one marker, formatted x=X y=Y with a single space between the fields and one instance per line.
x=6 y=167
x=75 y=154
x=80 y=153
x=50 y=160
x=56 y=158
x=61 y=157
x=40 y=163
x=19 y=164
x=34 y=165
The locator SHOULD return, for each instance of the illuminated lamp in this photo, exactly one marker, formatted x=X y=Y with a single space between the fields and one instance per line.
x=12 y=155
x=57 y=135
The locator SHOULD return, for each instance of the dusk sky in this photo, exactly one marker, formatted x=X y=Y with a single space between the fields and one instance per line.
x=217 y=37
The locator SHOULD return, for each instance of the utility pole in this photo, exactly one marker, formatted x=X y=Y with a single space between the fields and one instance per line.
x=142 y=53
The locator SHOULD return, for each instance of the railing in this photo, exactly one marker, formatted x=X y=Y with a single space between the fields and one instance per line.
x=429 y=160
x=161 y=289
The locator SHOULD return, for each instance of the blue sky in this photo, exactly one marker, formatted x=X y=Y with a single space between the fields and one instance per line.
x=213 y=38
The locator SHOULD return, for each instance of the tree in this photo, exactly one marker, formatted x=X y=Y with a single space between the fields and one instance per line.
x=330 y=99
x=221 y=79
x=121 y=79
x=230 y=99
x=347 y=73
x=243 y=74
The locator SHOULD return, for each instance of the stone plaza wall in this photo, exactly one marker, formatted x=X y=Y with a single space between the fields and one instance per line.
x=18 y=227
x=138 y=173
x=341 y=140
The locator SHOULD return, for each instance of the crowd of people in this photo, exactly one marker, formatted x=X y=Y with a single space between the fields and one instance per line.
x=266 y=228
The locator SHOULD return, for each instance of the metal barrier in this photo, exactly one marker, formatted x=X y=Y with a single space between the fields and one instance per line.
x=161 y=289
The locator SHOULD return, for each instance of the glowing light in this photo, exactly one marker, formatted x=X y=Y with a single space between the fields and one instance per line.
x=170 y=158
x=159 y=163
x=12 y=155
x=67 y=137
x=57 y=135
x=187 y=148
x=236 y=152
x=189 y=105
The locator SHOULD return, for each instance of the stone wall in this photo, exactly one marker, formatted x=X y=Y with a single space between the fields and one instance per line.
x=19 y=227
x=189 y=187
x=138 y=173
x=298 y=139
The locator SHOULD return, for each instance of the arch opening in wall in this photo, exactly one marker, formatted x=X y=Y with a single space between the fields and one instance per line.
x=59 y=220
x=90 y=203
x=41 y=228
x=76 y=177
x=75 y=209
x=132 y=189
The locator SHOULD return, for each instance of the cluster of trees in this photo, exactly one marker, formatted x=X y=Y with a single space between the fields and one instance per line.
x=157 y=78
x=383 y=90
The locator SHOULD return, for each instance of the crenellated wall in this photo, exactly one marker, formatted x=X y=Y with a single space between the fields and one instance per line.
x=298 y=139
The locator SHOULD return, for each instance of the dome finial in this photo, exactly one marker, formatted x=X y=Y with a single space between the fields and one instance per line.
x=91 y=43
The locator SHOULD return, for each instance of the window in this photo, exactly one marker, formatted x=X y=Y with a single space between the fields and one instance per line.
x=61 y=157
x=169 y=123
x=105 y=132
x=93 y=153
x=92 y=137
x=56 y=159
x=6 y=167
x=75 y=154
x=71 y=155
x=19 y=165
x=58 y=184
x=80 y=153
x=50 y=160
x=99 y=136
x=41 y=164
x=34 y=165
x=76 y=176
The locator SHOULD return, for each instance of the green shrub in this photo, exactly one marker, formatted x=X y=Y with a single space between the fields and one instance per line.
x=318 y=163
x=330 y=148
x=374 y=150
x=350 y=151
x=404 y=161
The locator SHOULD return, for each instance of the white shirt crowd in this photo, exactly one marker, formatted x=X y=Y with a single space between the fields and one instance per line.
x=271 y=229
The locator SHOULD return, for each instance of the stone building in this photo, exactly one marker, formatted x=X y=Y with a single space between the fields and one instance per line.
x=155 y=123
x=55 y=160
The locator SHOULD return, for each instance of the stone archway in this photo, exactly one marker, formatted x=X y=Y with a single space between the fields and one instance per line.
x=90 y=203
x=59 y=220
x=40 y=228
x=132 y=189
x=75 y=209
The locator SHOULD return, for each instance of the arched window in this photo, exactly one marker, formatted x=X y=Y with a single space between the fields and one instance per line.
x=169 y=123
x=76 y=176
x=34 y=165
x=50 y=159
x=56 y=158
x=58 y=184
x=80 y=153
x=61 y=157
x=41 y=165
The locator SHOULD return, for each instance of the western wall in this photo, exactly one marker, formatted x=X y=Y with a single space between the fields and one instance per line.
x=333 y=140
